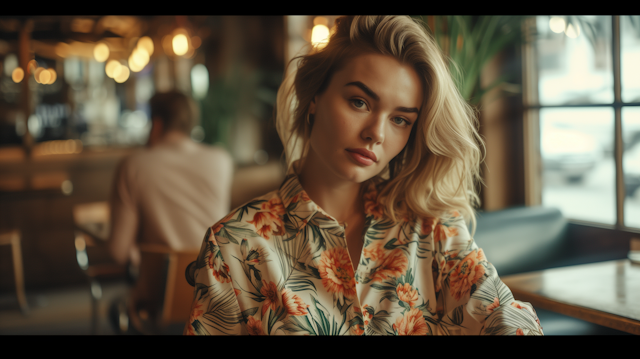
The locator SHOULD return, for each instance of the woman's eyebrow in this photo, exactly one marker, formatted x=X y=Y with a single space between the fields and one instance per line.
x=375 y=96
x=364 y=88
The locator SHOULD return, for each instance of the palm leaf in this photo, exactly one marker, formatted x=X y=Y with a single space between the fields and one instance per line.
x=223 y=312
x=299 y=324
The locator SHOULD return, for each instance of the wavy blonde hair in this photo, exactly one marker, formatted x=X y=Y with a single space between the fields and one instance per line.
x=437 y=171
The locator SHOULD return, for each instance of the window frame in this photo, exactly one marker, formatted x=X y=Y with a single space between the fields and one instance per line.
x=531 y=127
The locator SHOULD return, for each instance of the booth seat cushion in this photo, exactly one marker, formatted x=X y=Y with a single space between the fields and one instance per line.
x=522 y=239
x=525 y=239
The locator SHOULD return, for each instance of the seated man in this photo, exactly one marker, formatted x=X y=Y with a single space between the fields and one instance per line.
x=170 y=192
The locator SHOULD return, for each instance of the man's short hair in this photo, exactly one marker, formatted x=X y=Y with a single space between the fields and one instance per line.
x=173 y=108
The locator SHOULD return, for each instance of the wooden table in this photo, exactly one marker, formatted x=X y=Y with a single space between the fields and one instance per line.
x=605 y=293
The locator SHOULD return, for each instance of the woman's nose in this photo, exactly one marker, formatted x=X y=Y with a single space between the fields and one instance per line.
x=374 y=130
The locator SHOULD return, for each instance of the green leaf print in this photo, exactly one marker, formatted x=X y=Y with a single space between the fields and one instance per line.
x=249 y=312
x=223 y=312
x=308 y=269
x=458 y=315
x=298 y=324
x=319 y=317
x=273 y=317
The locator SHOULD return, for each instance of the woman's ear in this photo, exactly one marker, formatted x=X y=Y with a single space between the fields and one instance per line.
x=312 y=106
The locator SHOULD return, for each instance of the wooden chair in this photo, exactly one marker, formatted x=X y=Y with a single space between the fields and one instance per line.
x=161 y=275
x=91 y=222
x=13 y=238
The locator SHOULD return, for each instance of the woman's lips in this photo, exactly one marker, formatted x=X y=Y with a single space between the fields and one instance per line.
x=364 y=160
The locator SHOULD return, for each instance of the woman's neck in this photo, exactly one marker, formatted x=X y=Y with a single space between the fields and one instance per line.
x=338 y=197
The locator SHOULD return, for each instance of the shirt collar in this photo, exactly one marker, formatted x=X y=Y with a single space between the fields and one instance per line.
x=301 y=209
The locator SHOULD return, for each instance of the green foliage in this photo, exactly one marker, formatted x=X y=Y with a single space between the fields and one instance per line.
x=470 y=42
x=241 y=91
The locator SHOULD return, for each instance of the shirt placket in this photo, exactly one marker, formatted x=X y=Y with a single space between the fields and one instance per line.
x=353 y=277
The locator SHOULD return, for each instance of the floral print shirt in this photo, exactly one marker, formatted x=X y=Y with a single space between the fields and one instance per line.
x=279 y=265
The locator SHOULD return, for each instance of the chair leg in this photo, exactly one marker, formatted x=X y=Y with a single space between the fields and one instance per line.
x=96 y=295
x=19 y=274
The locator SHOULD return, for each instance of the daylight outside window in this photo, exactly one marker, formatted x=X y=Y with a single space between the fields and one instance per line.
x=577 y=105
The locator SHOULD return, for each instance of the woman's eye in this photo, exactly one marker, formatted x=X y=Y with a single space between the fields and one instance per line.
x=358 y=103
x=400 y=121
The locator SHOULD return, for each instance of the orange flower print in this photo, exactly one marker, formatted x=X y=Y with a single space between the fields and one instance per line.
x=254 y=326
x=270 y=291
x=411 y=323
x=393 y=266
x=267 y=224
x=407 y=294
x=275 y=207
x=222 y=273
x=236 y=291
x=196 y=312
x=337 y=273
x=374 y=251
x=301 y=196
x=494 y=305
x=514 y=304
x=442 y=232
x=366 y=315
x=466 y=273
x=519 y=332
x=219 y=269
x=357 y=329
x=293 y=303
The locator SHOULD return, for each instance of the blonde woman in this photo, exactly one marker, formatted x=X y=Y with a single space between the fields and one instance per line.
x=368 y=233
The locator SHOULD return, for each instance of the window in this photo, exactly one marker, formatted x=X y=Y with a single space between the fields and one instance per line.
x=582 y=102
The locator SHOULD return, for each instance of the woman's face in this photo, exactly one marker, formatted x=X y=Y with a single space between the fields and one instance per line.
x=364 y=117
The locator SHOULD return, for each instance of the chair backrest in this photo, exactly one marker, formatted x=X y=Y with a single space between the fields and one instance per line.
x=162 y=276
x=522 y=239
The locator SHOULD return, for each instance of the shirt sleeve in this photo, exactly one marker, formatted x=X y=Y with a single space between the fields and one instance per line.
x=471 y=298
x=215 y=309
x=124 y=217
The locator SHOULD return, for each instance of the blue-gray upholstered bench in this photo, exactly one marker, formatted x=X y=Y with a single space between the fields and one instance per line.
x=525 y=239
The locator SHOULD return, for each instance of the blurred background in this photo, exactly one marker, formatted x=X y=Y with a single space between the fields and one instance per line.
x=558 y=99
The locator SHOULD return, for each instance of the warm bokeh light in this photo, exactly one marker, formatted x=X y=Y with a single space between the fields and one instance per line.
x=36 y=74
x=572 y=31
x=111 y=67
x=101 y=52
x=43 y=76
x=320 y=35
x=54 y=76
x=320 y=20
x=122 y=75
x=58 y=147
x=32 y=66
x=557 y=24
x=180 y=44
x=17 y=75
x=140 y=57
x=147 y=44
x=133 y=65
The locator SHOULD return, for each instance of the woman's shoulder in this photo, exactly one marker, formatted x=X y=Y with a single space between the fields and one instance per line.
x=258 y=219
x=449 y=225
x=269 y=202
